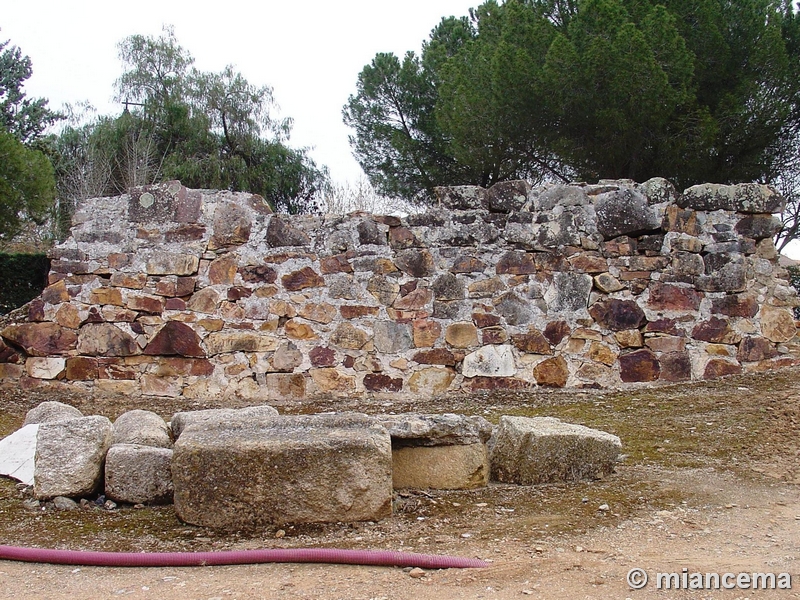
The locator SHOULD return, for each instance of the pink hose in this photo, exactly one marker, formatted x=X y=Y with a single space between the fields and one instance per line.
x=238 y=557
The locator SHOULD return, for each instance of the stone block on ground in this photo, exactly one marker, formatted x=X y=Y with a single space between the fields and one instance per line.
x=414 y=429
x=70 y=455
x=289 y=469
x=142 y=427
x=530 y=451
x=17 y=452
x=458 y=467
x=138 y=474
x=50 y=412
x=215 y=416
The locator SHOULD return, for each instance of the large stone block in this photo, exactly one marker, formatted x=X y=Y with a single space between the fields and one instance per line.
x=50 y=412
x=138 y=474
x=41 y=339
x=297 y=469
x=70 y=455
x=744 y=197
x=530 y=451
x=213 y=417
x=141 y=427
x=461 y=467
x=489 y=361
x=624 y=212
x=413 y=429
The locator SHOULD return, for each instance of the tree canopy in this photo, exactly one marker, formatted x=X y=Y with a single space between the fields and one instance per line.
x=707 y=90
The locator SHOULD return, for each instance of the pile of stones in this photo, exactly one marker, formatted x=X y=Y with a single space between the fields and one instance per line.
x=242 y=468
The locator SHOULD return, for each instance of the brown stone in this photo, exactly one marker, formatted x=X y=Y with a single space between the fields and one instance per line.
x=118 y=260
x=153 y=305
x=286 y=358
x=437 y=356
x=280 y=234
x=384 y=290
x=482 y=320
x=175 y=338
x=186 y=233
x=153 y=385
x=754 y=349
x=498 y=383
x=715 y=331
x=634 y=275
x=36 y=310
x=11 y=372
x=718 y=367
x=648 y=263
x=667 y=326
x=532 y=342
x=777 y=324
x=493 y=335
x=676 y=366
x=588 y=263
x=211 y=324
x=69 y=316
x=556 y=331
x=322 y=356
x=232 y=225
x=204 y=301
x=425 y=332
x=358 y=311
x=414 y=300
x=302 y=279
x=162 y=263
x=236 y=293
x=8 y=355
x=639 y=366
x=432 y=380
x=41 y=339
x=105 y=339
x=227 y=341
x=621 y=246
x=467 y=264
x=617 y=315
x=552 y=372
x=601 y=353
x=127 y=280
x=330 y=380
x=736 y=305
x=81 y=368
x=115 y=314
x=605 y=282
x=516 y=263
x=321 y=313
x=258 y=274
x=416 y=263
x=401 y=238
x=629 y=338
x=687 y=243
x=335 y=264
x=106 y=295
x=461 y=335
x=55 y=294
x=378 y=382
x=349 y=337
x=666 y=343
x=583 y=333
x=486 y=288
x=172 y=286
x=171 y=366
x=681 y=220
x=223 y=270
x=299 y=331
x=669 y=297
x=286 y=385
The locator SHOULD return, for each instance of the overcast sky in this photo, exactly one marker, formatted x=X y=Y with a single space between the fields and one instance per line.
x=310 y=52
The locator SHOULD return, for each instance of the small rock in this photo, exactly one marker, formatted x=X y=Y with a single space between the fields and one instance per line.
x=603 y=507
x=280 y=533
x=64 y=503
x=31 y=504
x=110 y=505
x=416 y=573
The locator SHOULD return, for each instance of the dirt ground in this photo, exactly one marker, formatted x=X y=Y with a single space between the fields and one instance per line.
x=709 y=482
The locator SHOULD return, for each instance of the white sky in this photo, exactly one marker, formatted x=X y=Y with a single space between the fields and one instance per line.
x=310 y=52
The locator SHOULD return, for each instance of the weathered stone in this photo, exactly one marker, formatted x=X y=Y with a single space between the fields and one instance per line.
x=777 y=324
x=141 y=427
x=168 y=366
x=718 y=367
x=675 y=366
x=414 y=300
x=507 y=196
x=568 y=292
x=390 y=337
x=530 y=451
x=425 y=332
x=280 y=233
x=322 y=357
x=287 y=357
x=467 y=264
x=164 y=263
x=41 y=339
x=415 y=429
x=482 y=320
x=629 y=338
x=223 y=270
x=286 y=385
x=688 y=264
x=331 y=380
x=552 y=372
x=486 y=288
x=588 y=263
x=258 y=274
x=556 y=331
x=45 y=368
x=222 y=342
x=671 y=297
x=185 y=233
x=131 y=281
x=321 y=313
x=51 y=412
x=493 y=335
x=666 y=343
x=335 y=264
x=69 y=457
x=758 y=227
x=379 y=382
x=401 y=238
x=617 y=315
x=214 y=417
x=302 y=279
x=350 y=337
x=715 y=331
x=461 y=197
x=460 y=467
x=736 y=305
x=105 y=339
x=145 y=303
x=624 y=212
x=294 y=469
x=498 y=383
x=36 y=310
x=157 y=385
x=416 y=263
x=638 y=366
x=299 y=331
x=601 y=353
x=205 y=301
x=743 y=197
x=533 y=342
x=514 y=309
x=356 y=312
x=232 y=225
x=461 y=335
x=383 y=290
x=138 y=474
x=516 y=263
x=432 y=380
x=437 y=356
x=55 y=294
x=725 y=272
x=370 y=234
x=448 y=287
x=489 y=361
x=754 y=349
x=561 y=195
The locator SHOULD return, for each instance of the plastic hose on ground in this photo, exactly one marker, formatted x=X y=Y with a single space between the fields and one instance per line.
x=238 y=557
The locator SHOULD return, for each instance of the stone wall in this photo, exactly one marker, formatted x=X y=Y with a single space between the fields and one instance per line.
x=174 y=292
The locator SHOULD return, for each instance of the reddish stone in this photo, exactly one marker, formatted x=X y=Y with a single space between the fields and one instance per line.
x=108 y=369
x=118 y=261
x=555 y=331
x=106 y=295
x=416 y=263
x=482 y=320
x=681 y=220
x=621 y=246
x=378 y=382
x=36 y=310
x=408 y=287
x=174 y=304
x=55 y=294
x=302 y=279
x=468 y=264
x=153 y=305
x=516 y=263
x=258 y=274
x=648 y=263
x=41 y=339
x=172 y=366
x=533 y=342
x=638 y=366
x=126 y=280
x=222 y=270
x=754 y=349
x=617 y=315
x=718 y=367
x=322 y=356
x=280 y=233
x=736 y=305
x=588 y=263
x=387 y=220
x=82 y=368
x=8 y=355
x=186 y=233
x=358 y=311
x=232 y=225
x=335 y=264
x=238 y=292
x=349 y=362
x=401 y=238
x=552 y=372
x=175 y=338
x=437 y=356
x=666 y=343
x=113 y=314
x=94 y=316
x=669 y=297
x=425 y=333
x=105 y=339
x=550 y=262
x=415 y=300
x=715 y=331
x=499 y=383
x=493 y=335
x=676 y=366
x=667 y=326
